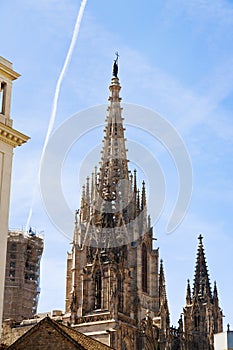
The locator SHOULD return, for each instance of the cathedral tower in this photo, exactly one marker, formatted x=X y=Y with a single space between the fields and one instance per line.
x=202 y=314
x=9 y=139
x=113 y=279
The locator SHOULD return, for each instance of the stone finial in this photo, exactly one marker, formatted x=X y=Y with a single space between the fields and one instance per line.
x=200 y=238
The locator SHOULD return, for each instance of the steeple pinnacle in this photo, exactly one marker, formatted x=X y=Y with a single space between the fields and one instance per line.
x=163 y=303
x=215 y=290
x=201 y=287
x=200 y=237
x=114 y=163
x=188 y=294
x=162 y=286
x=135 y=181
x=111 y=197
x=215 y=294
x=143 y=202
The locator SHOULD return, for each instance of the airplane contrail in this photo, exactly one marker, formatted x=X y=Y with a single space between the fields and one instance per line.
x=57 y=91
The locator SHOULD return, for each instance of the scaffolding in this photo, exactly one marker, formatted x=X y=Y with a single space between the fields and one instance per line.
x=22 y=275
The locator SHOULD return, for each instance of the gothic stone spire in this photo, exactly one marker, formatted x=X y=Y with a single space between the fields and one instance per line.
x=162 y=286
x=114 y=163
x=114 y=271
x=202 y=314
x=163 y=303
x=201 y=286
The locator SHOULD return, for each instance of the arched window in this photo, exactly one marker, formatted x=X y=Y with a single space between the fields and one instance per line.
x=144 y=268
x=98 y=290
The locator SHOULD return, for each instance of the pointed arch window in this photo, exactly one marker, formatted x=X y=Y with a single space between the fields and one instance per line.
x=144 y=268
x=98 y=290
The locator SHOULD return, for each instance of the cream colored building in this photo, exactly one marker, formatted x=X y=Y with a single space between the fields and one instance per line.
x=9 y=139
x=224 y=340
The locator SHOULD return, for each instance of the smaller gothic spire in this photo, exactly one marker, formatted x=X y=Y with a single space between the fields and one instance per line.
x=162 y=288
x=138 y=202
x=201 y=286
x=215 y=294
x=92 y=185
x=88 y=190
x=83 y=200
x=95 y=182
x=93 y=193
x=215 y=290
x=76 y=228
x=202 y=314
x=135 y=181
x=134 y=188
x=83 y=191
x=87 y=199
x=161 y=273
x=143 y=202
x=188 y=293
x=163 y=303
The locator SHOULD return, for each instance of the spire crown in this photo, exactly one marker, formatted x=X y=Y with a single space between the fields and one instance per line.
x=115 y=84
x=200 y=237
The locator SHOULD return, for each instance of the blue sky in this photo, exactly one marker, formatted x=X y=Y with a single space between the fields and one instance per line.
x=176 y=58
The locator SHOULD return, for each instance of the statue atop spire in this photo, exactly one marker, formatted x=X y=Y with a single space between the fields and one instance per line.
x=115 y=65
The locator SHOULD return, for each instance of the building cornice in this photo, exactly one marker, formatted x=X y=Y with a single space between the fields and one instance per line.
x=11 y=136
x=6 y=70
